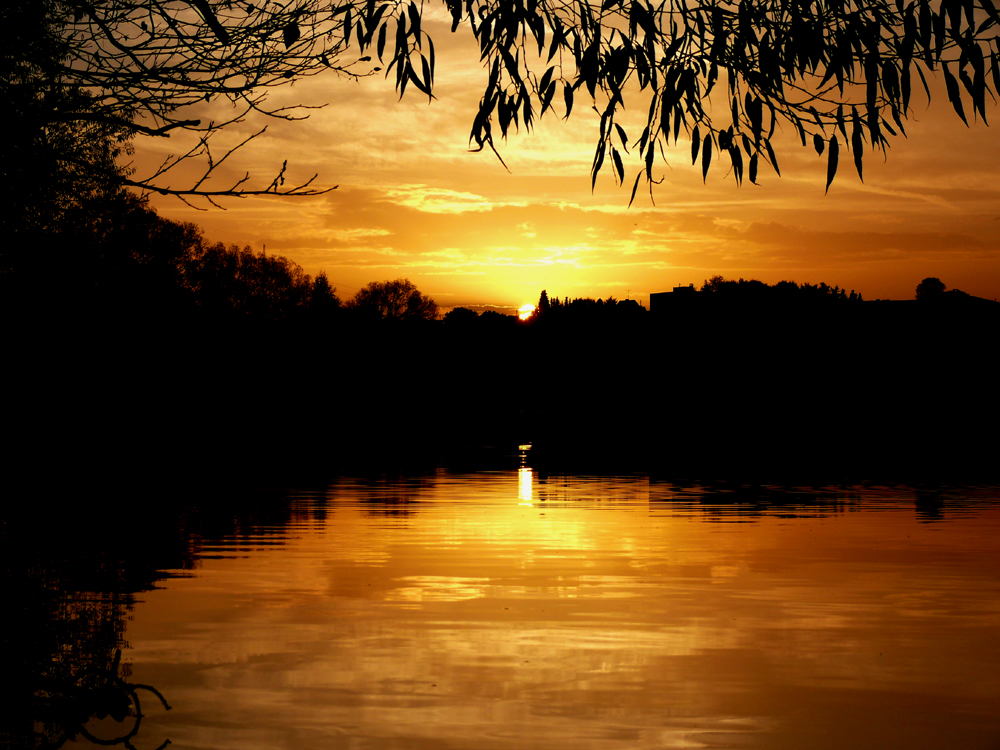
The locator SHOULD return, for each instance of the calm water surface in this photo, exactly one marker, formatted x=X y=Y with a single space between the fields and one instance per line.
x=504 y=610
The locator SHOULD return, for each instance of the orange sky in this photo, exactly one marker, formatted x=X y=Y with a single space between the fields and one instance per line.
x=412 y=201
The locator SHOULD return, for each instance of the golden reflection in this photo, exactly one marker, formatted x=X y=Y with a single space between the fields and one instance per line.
x=418 y=589
x=524 y=479
x=601 y=613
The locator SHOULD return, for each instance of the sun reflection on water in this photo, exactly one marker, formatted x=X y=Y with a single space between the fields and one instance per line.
x=524 y=480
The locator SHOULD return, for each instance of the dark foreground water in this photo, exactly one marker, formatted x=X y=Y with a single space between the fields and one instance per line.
x=508 y=610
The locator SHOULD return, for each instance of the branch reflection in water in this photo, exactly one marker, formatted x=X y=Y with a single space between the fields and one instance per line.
x=103 y=709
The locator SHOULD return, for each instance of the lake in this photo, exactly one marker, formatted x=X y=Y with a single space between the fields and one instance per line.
x=508 y=609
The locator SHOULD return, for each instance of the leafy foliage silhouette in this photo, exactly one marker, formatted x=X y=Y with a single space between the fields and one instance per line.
x=460 y=316
x=117 y=254
x=393 y=300
x=823 y=66
x=57 y=154
x=239 y=281
x=752 y=290
x=930 y=288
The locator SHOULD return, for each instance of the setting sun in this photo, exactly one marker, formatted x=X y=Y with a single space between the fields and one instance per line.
x=526 y=311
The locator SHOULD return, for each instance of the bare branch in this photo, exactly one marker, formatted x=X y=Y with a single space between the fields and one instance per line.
x=299 y=191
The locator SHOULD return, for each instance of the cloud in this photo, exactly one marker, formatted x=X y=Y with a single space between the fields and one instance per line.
x=439 y=200
x=863 y=246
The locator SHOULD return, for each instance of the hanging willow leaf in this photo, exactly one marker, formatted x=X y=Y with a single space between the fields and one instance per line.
x=963 y=76
x=819 y=144
x=801 y=131
x=939 y=34
x=634 y=188
x=755 y=111
x=546 y=77
x=898 y=121
x=954 y=95
x=414 y=13
x=753 y=169
x=622 y=136
x=831 y=164
x=695 y=144
x=772 y=157
x=598 y=163
x=706 y=156
x=547 y=96
x=857 y=141
x=904 y=84
x=890 y=80
x=737 y=157
x=995 y=69
x=979 y=81
x=840 y=121
x=923 y=82
x=619 y=167
x=925 y=27
x=380 y=46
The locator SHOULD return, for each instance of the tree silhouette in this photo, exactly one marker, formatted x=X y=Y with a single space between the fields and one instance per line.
x=840 y=74
x=59 y=157
x=84 y=78
x=543 y=304
x=752 y=291
x=324 y=301
x=393 y=300
x=241 y=282
x=116 y=256
x=460 y=316
x=715 y=284
x=930 y=288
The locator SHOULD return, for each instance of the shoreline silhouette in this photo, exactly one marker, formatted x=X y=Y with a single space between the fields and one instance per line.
x=154 y=354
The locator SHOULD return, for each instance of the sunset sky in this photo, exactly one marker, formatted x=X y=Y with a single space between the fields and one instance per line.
x=413 y=201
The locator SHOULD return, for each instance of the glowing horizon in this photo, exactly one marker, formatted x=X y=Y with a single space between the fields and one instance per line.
x=413 y=202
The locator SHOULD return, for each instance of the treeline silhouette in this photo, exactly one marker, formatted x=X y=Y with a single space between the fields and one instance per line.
x=139 y=352
x=788 y=292
x=128 y=264
x=741 y=379
x=746 y=380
